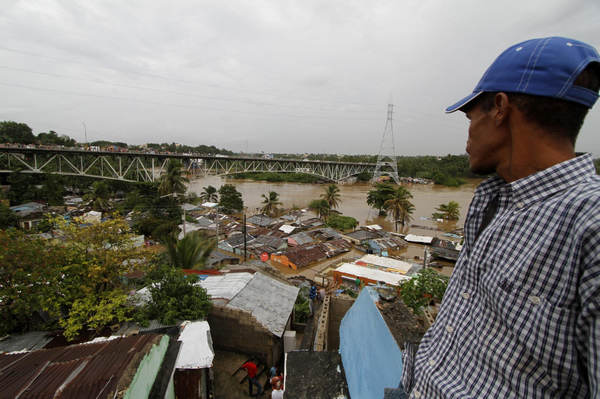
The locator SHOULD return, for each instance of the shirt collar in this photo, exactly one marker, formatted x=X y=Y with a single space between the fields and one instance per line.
x=556 y=178
x=539 y=185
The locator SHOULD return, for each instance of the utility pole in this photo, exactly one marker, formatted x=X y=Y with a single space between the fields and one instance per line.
x=244 y=233
x=217 y=223
x=386 y=159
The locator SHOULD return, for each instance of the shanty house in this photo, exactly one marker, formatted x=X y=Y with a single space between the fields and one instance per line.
x=360 y=237
x=122 y=366
x=298 y=257
x=192 y=377
x=250 y=313
x=299 y=239
x=261 y=220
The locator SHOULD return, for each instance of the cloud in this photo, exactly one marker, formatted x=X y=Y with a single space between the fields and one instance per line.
x=273 y=76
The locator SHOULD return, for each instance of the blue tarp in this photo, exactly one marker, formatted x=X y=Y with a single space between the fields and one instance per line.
x=371 y=357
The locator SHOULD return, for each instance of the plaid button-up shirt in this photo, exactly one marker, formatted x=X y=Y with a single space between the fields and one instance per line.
x=521 y=315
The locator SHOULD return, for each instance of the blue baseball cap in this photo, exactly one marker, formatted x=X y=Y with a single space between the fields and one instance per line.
x=542 y=67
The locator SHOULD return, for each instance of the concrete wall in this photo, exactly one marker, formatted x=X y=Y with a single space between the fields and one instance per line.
x=144 y=377
x=237 y=330
x=337 y=309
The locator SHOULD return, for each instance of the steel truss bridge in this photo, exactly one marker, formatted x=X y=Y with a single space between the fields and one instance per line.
x=148 y=167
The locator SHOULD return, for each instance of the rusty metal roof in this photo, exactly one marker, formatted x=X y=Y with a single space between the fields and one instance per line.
x=76 y=371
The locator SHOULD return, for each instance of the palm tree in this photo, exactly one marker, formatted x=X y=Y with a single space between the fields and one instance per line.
x=377 y=196
x=172 y=181
x=449 y=211
x=191 y=252
x=332 y=196
x=320 y=207
x=400 y=206
x=270 y=203
x=209 y=194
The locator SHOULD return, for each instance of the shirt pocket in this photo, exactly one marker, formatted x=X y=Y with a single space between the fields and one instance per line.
x=528 y=335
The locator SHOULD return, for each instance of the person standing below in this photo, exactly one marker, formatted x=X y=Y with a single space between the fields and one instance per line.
x=521 y=314
x=251 y=369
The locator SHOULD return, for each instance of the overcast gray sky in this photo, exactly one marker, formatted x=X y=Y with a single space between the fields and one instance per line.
x=273 y=76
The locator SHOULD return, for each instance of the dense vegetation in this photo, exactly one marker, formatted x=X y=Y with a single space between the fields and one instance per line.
x=21 y=133
x=449 y=211
x=77 y=284
x=230 y=199
x=173 y=297
x=341 y=222
x=278 y=177
x=422 y=288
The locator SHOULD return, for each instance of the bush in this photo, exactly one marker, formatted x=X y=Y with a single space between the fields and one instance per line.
x=175 y=297
x=341 y=222
x=422 y=288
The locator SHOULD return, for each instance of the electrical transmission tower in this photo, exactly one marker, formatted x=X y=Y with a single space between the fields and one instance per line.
x=387 y=163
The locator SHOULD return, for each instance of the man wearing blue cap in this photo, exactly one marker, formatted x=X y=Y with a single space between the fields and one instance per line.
x=521 y=315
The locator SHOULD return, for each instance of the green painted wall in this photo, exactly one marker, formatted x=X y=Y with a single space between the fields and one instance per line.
x=147 y=370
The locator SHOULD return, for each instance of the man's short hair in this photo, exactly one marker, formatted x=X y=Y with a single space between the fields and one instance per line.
x=559 y=117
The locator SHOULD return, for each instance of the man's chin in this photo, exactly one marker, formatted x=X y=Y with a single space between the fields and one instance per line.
x=483 y=170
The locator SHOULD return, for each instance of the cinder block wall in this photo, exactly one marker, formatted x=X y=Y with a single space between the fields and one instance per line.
x=337 y=309
x=237 y=330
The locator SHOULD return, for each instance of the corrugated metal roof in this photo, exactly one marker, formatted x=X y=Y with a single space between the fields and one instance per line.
x=418 y=239
x=25 y=342
x=401 y=266
x=270 y=301
x=225 y=286
x=76 y=371
x=196 y=346
x=372 y=274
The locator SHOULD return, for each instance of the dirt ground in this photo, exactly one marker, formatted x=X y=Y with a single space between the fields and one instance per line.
x=227 y=386
x=403 y=325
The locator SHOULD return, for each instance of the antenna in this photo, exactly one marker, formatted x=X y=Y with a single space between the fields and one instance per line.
x=85 y=131
x=387 y=162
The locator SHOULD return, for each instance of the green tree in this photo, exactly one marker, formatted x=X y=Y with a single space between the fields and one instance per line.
x=22 y=187
x=51 y=138
x=377 y=197
x=24 y=279
x=332 y=196
x=449 y=211
x=230 y=199
x=175 y=297
x=173 y=181
x=341 y=222
x=52 y=190
x=7 y=217
x=270 y=203
x=13 y=132
x=422 y=288
x=99 y=196
x=209 y=194
x=400 y=206
x=86 y=291
x=191 y=252
x=320 y=207
x=76 y=282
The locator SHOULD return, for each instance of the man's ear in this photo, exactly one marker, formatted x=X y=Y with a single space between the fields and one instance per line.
x=501 y=108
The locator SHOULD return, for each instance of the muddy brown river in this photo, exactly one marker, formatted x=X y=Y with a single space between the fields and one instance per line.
x=354 y=203
x=353 y=198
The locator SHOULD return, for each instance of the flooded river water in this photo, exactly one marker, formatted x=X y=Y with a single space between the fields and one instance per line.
x=353 y=199
x=354 y=203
